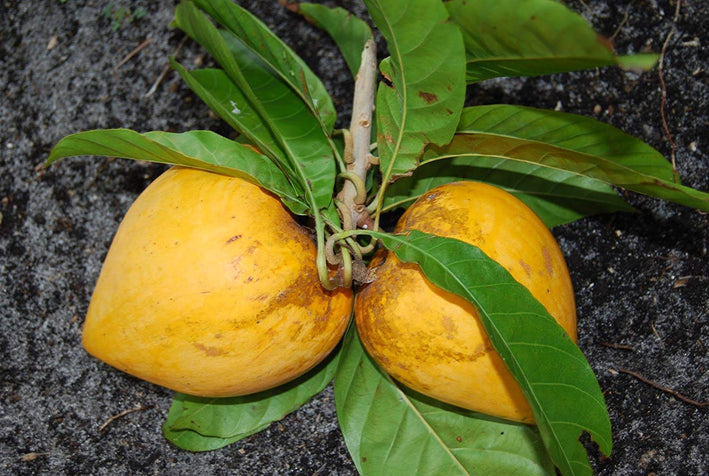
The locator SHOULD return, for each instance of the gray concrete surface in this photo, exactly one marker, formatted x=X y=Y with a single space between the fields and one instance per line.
x=641 y=279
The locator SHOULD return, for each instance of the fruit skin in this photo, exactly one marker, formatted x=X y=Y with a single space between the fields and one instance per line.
x=210 y=288
x=432 y=340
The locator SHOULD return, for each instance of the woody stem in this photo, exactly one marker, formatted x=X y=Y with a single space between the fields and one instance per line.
x=358 y=157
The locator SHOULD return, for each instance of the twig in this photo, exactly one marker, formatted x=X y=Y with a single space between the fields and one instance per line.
x=165 y=70
x=617 y=346
x=663 y=101
x=32 y=456
x=657 y=334
x=664 y=389
x=122 y=414
x=130 y=55
x=585 y=6
x=622 y=23
x=360 y=136
x=676 y=17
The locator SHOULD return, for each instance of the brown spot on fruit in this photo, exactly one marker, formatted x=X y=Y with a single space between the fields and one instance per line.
x=548 y=263
x=449 y=326
x=526 y=267
x=209 y=350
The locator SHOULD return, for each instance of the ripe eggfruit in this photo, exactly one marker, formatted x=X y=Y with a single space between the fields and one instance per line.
x=432 y=340
x=210 y=288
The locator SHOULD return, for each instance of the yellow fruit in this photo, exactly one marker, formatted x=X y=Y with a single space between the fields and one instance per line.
x=432 y=340
x=210 y=288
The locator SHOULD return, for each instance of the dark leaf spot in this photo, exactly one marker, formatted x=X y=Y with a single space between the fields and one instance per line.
x=428 y=98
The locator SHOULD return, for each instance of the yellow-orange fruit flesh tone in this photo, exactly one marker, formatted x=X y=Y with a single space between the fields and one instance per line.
x=210 y=288
x=433 y=340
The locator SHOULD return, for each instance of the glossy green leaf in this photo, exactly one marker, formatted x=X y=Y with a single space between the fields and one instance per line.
x=349 y=32
x=202 y=424
x=270 y=49
x=529 y=38
x=569 y=131
x=391 y=429
x=226 y=100
x=570 y=143
x=556 y=196
x=304 y=142
x=423 y=103
x=191 y=440
x=307 y=143
x=555 y=377
x=198 y=149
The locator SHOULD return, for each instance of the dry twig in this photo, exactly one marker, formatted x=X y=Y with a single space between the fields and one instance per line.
x=166 y=69
x=672 y=392
x=617 y=346
x=663 y=101
x=122 y=414
x=622 y=22
x=130 y=55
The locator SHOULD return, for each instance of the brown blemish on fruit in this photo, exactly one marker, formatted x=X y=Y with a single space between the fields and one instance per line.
x=209 y=350
x=526 y=267
x=548 y=264
x=449 y=326
x=233 y=239
x=293 y=296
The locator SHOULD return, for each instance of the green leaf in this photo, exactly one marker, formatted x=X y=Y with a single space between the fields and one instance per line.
x=197 y=149
x=270 y=49
x=557 y=197
x=392 y=429
x=300 y=132
x=426 y=71
x=191 y=440
x=222 y=96
x=202 y=424
x=349 y=32
x=304 y=142
x=640 y=61
x=570 y=143
x=555 y=377
x=569 y=131
x=266 y=114
x=529 y=38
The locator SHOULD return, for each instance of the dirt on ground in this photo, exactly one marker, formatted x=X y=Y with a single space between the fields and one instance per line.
x=67 y=65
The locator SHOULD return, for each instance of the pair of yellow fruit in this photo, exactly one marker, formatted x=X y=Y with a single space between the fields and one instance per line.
x=210 y=288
